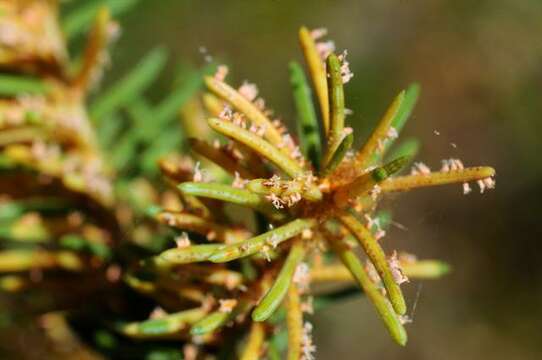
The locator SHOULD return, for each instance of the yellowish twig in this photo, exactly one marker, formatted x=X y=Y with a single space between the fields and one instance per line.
x=253 y=347
x=23 y=260
x=318 y=73
x=245 y=107
x=220 y=158
x=213 y=104
x=94 y=52
x=294 y=323
x=376 y=254
x=404 y=183
x=422 y=269
x=189 y=222
x=259 y=145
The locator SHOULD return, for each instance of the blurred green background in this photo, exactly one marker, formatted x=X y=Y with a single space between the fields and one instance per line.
x=480 y=67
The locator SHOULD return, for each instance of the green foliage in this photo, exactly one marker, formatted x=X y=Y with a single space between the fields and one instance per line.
x=273 y=298
x=130 y=86
x=152 y=131
x=385 y=310
x=80 y=19
x=308 y=128
x=11 y=85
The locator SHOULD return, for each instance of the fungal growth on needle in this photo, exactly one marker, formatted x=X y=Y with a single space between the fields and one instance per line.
x=314 y=193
